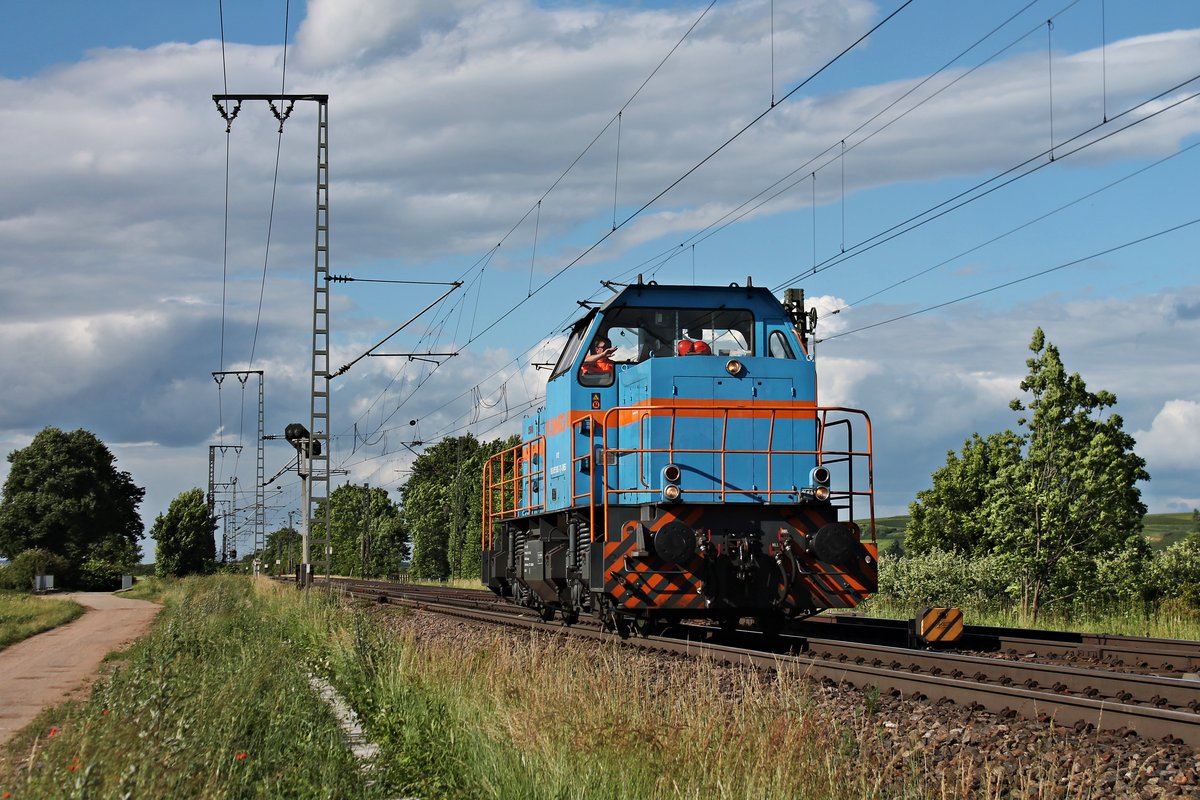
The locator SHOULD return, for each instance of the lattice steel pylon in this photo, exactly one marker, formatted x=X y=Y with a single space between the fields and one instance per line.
x=260 y=486
x=316 y=499
x=260 y=512
x=319 y=408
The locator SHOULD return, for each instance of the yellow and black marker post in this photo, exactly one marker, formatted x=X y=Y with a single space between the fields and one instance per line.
x=938 y=626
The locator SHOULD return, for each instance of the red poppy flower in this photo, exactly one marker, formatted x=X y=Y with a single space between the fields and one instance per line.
x=241 y=756
x=53 y=731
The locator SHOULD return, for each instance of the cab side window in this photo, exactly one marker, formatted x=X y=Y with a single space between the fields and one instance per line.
x=597 y=367
x=778 y=347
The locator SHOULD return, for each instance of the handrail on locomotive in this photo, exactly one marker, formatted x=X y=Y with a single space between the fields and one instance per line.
x=510 y=477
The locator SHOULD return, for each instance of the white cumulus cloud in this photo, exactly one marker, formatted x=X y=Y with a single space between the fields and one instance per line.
x=1173 y=440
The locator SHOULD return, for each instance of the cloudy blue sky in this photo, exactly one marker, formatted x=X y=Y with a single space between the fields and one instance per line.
x=970 y=171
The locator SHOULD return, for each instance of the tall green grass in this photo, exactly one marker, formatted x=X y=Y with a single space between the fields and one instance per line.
x=149 y=587
x=545 y=716
x=22 y=615
x=213 y=703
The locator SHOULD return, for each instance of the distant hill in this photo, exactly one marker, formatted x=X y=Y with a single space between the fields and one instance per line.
x=1162 y=530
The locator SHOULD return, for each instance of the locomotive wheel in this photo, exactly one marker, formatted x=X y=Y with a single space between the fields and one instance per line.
x=649 y=626
x=614 y=620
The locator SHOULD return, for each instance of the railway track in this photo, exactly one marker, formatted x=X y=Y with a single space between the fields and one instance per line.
x=1151 y=706
x=1171 y=656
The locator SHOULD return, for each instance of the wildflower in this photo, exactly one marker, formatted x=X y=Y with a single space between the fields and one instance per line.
x=54 y=731
x=104 y=712
x=6 y=795
x=241 y=756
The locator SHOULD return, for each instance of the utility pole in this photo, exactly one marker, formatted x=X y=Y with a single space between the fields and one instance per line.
x=290 y=542
x=366 y=535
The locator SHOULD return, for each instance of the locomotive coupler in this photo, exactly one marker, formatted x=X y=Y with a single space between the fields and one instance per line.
x=741 y=552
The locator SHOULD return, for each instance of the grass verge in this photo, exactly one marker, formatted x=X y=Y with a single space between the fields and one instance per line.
x=22 y=615
x=212 y=703
x=544 y=716
x=150 y=587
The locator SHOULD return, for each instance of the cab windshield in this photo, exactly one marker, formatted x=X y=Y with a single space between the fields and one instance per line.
x=640 y=333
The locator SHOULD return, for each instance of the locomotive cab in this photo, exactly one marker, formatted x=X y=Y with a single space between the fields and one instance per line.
x=693 y=475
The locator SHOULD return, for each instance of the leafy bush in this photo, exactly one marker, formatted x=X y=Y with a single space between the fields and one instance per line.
x=943 y=578
x=1116 y=579
x=1175 y=572
x=20 y=572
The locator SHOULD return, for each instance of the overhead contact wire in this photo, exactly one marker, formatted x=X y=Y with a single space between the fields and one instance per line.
x=1015 y=281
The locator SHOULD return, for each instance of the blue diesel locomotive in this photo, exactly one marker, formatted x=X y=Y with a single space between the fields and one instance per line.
x=682 y=469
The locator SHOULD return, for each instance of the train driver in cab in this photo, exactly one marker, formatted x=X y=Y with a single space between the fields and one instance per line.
x=598 y=360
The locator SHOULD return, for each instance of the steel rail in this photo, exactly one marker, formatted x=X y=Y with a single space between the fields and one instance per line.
x=1093 y=683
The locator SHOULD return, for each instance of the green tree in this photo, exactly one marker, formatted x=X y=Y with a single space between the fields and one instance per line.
x=442 y=506
x=366 y=523
x=64 y=494
x=282 y=546
x=1058 y=501
x=1074 y=498
x=952 y=516
x=106 y=561
x=186 y=536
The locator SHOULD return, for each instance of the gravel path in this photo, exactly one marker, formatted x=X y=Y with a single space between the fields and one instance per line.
x=47 y=668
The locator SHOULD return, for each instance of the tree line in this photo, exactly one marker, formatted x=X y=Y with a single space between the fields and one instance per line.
x=432 y=533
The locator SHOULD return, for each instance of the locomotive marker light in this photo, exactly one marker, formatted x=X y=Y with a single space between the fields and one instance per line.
x=734 y=367
x=818 y=479
x=671 y=475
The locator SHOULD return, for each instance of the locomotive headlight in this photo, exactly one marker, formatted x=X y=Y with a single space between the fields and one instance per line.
x=671 y=473
x=671 y=492
x=821 y=493
x=733 y=367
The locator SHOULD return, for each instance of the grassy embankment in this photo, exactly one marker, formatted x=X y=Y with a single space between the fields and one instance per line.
x=213 y=703
x=22 y=615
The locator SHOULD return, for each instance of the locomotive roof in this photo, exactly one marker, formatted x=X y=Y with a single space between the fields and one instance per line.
x=758 y=298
